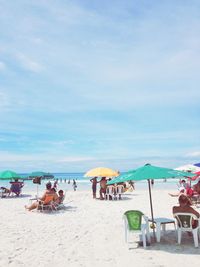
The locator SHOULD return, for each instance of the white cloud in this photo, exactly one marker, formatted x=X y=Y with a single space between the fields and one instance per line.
x=28 y=63
x=193 y=154
x=2 y=66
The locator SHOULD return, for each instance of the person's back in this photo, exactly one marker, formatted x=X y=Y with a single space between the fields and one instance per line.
x=185 y=207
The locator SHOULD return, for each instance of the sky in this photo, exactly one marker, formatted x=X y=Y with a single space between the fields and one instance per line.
x=89 y=83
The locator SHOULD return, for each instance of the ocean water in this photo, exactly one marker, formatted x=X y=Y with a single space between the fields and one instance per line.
x=83 y=183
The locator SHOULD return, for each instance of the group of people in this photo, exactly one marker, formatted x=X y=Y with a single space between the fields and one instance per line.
x=103 y=186
x=15 y=188
x=185 y=188
x=185 y=196
x=50 y=196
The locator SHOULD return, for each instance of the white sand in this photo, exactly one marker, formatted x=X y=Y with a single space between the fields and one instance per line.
x=88 y=233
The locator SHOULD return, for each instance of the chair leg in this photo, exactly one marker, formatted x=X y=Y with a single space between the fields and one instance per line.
x=195 y=237
x=144 y=238
x=148 y=233
x=158 y=230
x=126 y=231
x=179 y=236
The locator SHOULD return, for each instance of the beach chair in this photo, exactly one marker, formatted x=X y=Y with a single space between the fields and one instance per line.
x=110 y=193
x=59 y=206
x=16 y=188
x=119 y=191
x=185 y=223
x=47 y=204
x=4 y=192
x=136 y=222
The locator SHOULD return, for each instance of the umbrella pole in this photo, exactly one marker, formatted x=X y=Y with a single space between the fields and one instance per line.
x=151 y=206
x=37 y=191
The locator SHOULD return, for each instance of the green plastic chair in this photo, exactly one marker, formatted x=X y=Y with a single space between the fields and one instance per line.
x=136 y=222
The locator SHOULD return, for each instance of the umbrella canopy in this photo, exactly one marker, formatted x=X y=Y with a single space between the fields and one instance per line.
x=8 y=175
x=101 y=172
x=37 y=174
x=188 y=167
x=148 y=172
x=197 y=164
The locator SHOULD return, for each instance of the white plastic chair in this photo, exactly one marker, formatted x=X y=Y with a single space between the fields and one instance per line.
x=136 y=222
x=119 y=191
x=110 y=193
x=184 y=224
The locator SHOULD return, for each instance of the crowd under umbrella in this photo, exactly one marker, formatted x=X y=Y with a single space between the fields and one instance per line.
x=149 y=172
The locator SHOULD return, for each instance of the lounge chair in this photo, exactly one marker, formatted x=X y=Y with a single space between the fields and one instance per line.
x=59 y=206
x=4 y=192
x=47 y=204
x=185 y=223
x=16 y=188
x=136 y=222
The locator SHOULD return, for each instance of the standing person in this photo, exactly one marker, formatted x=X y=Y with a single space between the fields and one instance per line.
x=102 y=191
x=55 y=185
x=94 y=186
x=74 y=185
x=152 y=183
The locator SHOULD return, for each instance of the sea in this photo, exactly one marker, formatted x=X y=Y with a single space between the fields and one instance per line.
x=65 y=182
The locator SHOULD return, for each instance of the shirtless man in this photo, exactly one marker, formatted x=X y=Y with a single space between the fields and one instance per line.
x=102 y=188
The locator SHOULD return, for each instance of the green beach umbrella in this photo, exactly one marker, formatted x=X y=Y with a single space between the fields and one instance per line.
x=8 y=175
x=37 y=174
x=148 y=172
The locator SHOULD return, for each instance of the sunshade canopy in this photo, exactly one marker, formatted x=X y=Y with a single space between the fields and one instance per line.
x=8 y=175
x=188 y=167
x=147 y=172
x=37 y=174
x=101 y=172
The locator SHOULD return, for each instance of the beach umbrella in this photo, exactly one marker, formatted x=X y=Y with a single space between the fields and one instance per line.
x=8 y=175
x=197 y=164
x=148 y=172
x=188 y=168
x=37 y=174
x=101 y=172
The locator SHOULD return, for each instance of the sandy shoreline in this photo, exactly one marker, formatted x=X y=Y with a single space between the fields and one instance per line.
x=88 y=233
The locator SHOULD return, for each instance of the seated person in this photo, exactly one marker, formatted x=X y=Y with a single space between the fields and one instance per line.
x=16 y=187
x=185 y=207
x=49 y=196
x=5 y=191
x=181 y=190
x=61 y=197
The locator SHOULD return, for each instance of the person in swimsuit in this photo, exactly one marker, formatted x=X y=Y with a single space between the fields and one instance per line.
x=94 y=186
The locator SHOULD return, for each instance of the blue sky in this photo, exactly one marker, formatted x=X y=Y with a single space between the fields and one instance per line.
x=99 y=83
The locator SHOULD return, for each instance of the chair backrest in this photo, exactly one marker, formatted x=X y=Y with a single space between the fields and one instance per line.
x=15 y=188
x=120 y=189
x=185 y=220
x=110 y=189
x=134 y=219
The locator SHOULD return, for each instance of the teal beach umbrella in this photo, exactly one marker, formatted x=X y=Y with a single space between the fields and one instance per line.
x=148 y=172
x=8 y=175
x=37 y=174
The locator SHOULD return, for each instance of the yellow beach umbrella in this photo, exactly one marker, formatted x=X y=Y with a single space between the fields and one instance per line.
x=101 y=172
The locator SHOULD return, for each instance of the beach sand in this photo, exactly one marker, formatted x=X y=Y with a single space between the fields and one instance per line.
x=88 y=233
